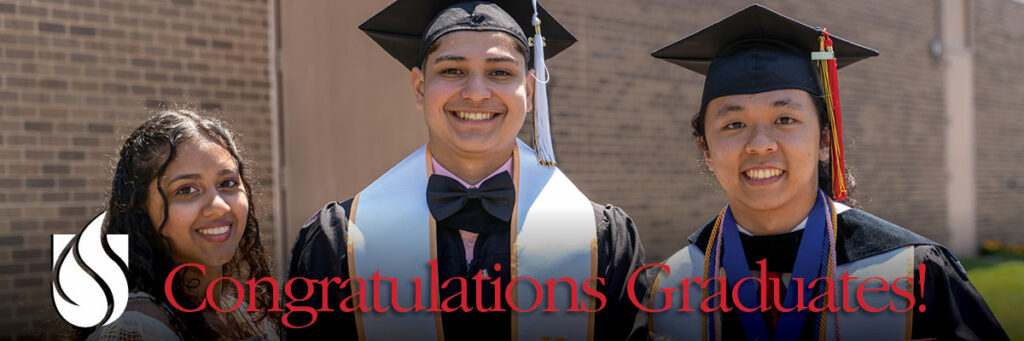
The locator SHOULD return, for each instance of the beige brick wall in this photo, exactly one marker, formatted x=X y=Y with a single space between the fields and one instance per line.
x=75 y=77
x=999 y=104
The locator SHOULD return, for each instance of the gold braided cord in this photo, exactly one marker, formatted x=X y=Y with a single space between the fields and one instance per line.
x=711 y=243
x=830 y=270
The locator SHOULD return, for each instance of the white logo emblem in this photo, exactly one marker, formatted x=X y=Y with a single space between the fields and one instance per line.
x=90 y=287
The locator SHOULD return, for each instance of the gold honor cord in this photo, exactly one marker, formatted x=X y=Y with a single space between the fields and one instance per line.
x=715 y=231
x=353 y=284
x=513 y=250
x=434 y=297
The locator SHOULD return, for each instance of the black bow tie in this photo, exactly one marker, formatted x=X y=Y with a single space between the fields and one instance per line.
x=446 y=196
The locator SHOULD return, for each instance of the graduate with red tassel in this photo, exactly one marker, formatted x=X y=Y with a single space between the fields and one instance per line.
x=770 y=129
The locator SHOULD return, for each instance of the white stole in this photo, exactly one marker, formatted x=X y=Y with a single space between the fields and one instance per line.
x=391 y=231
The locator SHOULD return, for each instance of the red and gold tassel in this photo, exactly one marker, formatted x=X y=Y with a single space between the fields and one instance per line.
x=830 y=86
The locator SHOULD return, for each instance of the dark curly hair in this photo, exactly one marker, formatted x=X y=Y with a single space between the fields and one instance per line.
x=824 y=169
x=144 y=157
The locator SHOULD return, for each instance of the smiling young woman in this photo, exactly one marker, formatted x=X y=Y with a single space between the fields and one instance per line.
x=181 y=194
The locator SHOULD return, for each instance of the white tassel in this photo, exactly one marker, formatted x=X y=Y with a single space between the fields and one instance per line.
x=541 y=120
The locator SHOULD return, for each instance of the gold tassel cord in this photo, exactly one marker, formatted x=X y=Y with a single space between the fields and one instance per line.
x=836 y=151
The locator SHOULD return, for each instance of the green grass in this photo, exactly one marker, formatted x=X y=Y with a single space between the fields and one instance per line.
x=999 y=279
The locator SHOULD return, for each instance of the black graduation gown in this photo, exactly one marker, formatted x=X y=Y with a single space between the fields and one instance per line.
x=955 y=310
x=320 y=251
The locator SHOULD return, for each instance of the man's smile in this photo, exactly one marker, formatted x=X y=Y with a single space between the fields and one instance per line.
x=473 y=115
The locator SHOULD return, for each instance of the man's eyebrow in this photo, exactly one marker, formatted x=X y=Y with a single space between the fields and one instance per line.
x=446 y=57
x=786 y=102
x=728 y=108
x=503 y=59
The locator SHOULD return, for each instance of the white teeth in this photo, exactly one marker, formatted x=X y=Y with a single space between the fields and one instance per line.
x=759 y=174
x=474 y=116
x=215 y=230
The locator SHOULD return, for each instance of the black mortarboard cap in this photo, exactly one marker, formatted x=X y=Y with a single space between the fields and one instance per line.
x=757 y=50
x=406 y=28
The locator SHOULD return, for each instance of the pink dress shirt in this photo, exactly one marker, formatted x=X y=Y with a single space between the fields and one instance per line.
x=469 y=238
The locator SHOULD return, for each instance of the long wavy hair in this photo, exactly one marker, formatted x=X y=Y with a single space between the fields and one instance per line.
x=143 y=158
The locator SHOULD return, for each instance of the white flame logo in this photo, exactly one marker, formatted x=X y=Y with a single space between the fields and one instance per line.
x=92 y=290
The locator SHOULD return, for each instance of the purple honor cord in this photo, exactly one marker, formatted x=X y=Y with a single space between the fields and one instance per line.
x=808 y=266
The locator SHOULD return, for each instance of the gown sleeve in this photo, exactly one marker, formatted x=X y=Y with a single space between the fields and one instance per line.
x=954 y=310
x=320 y=252
x=620 y=254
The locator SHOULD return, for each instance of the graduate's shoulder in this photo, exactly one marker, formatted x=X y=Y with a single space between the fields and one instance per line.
x=699 y=238
x=324 y=221
x=616 y=229
x=613 y=218
x=609 y=212
x=862 y=234
x=324 y=233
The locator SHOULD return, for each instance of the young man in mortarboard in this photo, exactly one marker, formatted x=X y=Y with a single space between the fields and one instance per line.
x=769 y=127
x=474 y=198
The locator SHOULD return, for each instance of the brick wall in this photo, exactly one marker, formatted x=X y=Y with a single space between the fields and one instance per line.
x=75 y=77
x=999 y=105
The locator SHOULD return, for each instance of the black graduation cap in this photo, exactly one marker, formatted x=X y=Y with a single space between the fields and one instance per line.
x=407 y=28
x=757 y=50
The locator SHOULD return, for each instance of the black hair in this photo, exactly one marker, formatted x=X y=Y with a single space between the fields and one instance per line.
x=142 y=159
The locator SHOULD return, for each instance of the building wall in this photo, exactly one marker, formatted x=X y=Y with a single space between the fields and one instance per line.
x=75 y=77
x=999 y=105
